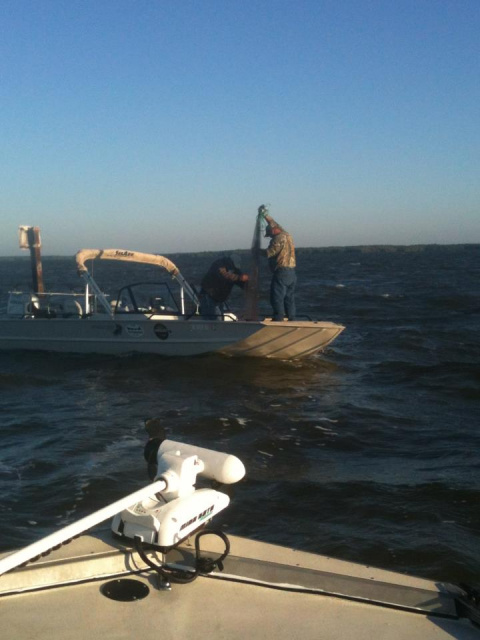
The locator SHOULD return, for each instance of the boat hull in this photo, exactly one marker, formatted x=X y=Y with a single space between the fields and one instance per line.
x=167 y=336
x=286 y=340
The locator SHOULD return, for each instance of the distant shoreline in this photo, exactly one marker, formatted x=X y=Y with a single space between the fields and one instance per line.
x=359 y=249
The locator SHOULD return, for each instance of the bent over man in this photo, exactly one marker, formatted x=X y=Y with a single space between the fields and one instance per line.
x=217 y=285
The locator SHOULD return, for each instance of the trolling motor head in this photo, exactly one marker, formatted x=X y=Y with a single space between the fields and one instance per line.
x=167 y=518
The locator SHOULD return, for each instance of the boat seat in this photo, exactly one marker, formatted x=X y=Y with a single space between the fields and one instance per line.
x=67 y=307
x=72 y=309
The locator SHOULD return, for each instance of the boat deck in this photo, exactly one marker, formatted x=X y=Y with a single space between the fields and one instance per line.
x=264 y=591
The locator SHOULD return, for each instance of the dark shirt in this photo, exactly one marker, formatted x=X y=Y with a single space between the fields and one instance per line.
x=220 y=278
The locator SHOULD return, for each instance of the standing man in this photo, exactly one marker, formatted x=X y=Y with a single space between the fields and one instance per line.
x=217 y=284
x=281 y=258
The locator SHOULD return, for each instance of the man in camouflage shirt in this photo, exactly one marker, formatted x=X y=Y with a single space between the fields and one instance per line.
x=281 y=258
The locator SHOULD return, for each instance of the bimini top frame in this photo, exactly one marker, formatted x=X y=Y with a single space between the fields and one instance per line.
x=128 y=256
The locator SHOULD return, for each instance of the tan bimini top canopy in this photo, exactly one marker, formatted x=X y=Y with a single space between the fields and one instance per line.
x=121 y=254
x=128 y=256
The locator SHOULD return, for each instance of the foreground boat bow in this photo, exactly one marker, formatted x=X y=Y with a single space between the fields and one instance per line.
x=222 y=587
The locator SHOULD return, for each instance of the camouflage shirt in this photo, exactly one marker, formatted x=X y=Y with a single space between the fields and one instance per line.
x=281 y=250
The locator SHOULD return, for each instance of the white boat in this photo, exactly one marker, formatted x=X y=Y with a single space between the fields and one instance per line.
x=148 y=317
x=235 y=588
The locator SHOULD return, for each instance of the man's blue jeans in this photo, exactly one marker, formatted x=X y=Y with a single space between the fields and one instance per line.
x=209 y=308
x=282 y=293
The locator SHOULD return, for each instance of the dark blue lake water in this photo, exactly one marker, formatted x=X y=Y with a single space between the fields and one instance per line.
x=369 y=452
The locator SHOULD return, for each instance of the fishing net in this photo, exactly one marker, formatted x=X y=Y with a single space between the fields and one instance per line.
x=252 y=290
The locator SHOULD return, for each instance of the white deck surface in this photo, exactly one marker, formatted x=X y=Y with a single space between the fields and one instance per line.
x=209 y=607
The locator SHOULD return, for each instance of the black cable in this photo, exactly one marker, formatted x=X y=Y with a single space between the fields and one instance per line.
x=207 y=565
x=179 y=576
x=184 y=576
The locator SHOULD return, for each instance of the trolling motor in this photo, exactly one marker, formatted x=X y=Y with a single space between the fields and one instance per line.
x=167 y=518
x=170 y=516
x=163 y=514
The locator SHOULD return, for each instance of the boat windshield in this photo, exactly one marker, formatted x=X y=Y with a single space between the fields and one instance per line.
x=154 y=298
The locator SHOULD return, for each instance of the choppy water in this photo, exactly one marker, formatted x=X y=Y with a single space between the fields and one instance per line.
x=370 y=452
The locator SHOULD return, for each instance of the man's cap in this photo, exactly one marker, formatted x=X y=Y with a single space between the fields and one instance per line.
x=269 y=229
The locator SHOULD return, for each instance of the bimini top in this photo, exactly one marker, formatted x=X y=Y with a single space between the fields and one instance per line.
x=121 y=254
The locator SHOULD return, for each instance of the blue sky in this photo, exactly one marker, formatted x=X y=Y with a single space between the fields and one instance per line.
x=161 y=125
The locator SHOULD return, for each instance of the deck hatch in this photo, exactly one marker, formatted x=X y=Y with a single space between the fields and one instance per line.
x=125 y=590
